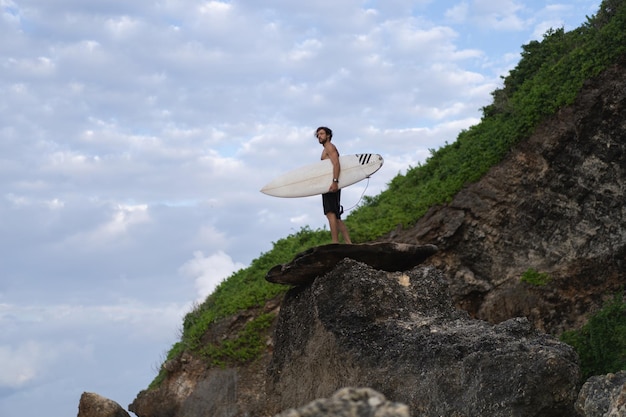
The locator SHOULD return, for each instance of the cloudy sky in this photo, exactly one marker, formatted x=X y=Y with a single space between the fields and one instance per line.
x=135 y=135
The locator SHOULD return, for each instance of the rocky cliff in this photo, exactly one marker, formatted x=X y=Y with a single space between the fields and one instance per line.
x=555 y=204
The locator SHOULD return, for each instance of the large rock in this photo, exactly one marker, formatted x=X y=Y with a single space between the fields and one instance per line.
x=94 y=405
x=398 y=333
x=386 y=256
x=603 y=396
x=350 y=402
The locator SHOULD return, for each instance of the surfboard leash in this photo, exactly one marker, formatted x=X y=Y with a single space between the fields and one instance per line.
x=360 y=198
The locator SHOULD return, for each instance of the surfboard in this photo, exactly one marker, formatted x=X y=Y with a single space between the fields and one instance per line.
x=315 y=178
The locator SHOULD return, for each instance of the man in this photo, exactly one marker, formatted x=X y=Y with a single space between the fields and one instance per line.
x=331 y=200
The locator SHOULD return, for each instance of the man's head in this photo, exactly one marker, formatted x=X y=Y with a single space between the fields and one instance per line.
x=323 y=134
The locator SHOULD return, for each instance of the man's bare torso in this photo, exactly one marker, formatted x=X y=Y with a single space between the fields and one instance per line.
x=326 y=152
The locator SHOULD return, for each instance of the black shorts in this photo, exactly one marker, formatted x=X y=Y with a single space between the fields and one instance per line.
x=331 y=203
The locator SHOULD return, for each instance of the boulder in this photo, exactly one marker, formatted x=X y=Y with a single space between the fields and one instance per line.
x=350 y=402
x=399 y=334
x=603 y=396
x=94 y=405
x=386 y=256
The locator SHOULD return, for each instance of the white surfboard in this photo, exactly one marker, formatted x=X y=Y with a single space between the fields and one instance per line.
x=315 y=178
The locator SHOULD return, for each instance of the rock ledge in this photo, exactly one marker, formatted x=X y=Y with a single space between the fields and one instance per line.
x=384 y=256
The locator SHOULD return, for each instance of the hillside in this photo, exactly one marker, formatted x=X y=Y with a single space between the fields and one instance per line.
x=555 y=206
x=537 y=186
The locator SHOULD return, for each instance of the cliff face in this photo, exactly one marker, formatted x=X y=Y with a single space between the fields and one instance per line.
x=555 y=204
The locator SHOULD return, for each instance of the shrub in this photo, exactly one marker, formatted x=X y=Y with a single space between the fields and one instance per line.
x=533 y=277
x=601 y=343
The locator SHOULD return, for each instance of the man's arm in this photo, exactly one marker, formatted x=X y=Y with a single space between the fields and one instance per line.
x=333 y=155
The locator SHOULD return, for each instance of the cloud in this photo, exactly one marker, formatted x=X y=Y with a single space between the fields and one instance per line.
x=209 y=271
x=458 y=13
x=19 y=364
x=116 y=230
x=58 y=332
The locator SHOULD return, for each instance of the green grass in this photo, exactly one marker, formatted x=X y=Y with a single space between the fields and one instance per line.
x=533 y=277
x=245 y=347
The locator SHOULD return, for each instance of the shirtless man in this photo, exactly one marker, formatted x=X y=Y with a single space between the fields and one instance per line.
x=331 y=200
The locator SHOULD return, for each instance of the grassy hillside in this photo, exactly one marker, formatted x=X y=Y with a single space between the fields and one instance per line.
x=548 y=76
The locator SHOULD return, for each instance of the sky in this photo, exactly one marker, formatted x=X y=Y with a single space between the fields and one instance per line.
x=135 y=136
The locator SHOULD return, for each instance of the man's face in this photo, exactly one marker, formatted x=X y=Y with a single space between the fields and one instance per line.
x=322 y=137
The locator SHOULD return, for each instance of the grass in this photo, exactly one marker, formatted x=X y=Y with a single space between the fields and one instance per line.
x=533 y=277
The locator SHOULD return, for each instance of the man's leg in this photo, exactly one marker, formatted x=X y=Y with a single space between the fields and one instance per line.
x=344 y=231
x=332 y=223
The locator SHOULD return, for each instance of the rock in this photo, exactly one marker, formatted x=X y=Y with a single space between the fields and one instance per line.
x=398 y=333
x=386 y=256
x=350 y=402
x=94 y=405
x=618 y=404
x=603 y=396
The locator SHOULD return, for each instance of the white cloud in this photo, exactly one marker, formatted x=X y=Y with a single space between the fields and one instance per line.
x=209 y=235
x=122 y=26
x=19 y=365
x=502 y=15
x=71 y=334
x=306 y=50
x=125 y=216
x=209 y=271
x=122 y=219
x=458 y=13
x=215 y=9
x=301 y=220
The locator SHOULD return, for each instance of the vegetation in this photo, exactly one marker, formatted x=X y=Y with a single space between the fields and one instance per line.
x=536 y=278
x=549 y=75
x=601 y=343
x=245 y=347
